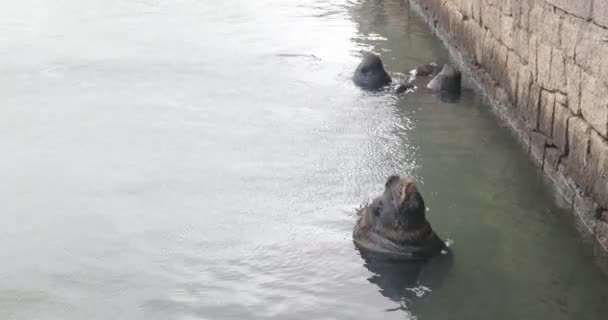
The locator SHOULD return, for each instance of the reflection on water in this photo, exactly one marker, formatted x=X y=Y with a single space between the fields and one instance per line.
x=203 y=159
x=407 y=282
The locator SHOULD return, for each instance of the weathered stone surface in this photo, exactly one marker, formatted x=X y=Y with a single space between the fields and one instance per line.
x=600 y=12
x=543 y=64
x=513 y=66
x=476 y=10
x=561 y=99
x=521 y=43
x=549 y=26
x=578 y=142
x=506 y=7
x=487 y=50
x=536 y=18
x=524 y=15
x=466 y=8
x=600 y=230
x=499 y=68
x=558 y=71
x=580 y=8
x=560 y=127
x=537 y=147
x=480 y=46
x=598 y=156
x=492 y=20
x=506 y=35
x=573 y=87
x=591 y=50
x=569 y=33
x=532 y=56
x=524 y=80
x=470 y=38
x=545 y=117
x=594 y=103
x=552 y=158
x=531 y=111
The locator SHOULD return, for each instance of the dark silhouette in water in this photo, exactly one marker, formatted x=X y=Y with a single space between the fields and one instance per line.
x=448 y=83
x=398 y=244
x=370 y=74
x=425 y=70
x=395 y=223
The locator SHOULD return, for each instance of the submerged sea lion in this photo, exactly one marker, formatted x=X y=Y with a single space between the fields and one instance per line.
x=370 y=73
x=425 y=70
x=395 y=223
x=447 y=83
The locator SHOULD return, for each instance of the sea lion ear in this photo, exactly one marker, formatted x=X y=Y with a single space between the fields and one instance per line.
x=391 y=180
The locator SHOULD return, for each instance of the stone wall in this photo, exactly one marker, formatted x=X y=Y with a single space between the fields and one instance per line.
x=544 y=66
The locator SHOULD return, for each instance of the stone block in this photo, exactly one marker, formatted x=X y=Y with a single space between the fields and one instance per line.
x=524 y=81
x=470 y=38
x=476 y=10
x=499 y=66
x=560 y=127
x=506 y=6
x=573 y=86
x=545 y=117
x=537 y=147
x=506 y=34
x=561 y=99
x=531 y=110
x=513 y=66
x=594 y=103
x=579 y=133
x=521 y=43
x=536 y=17
x=558 y=71
x=524 y=14
x=551 y=159
x=516 y=12
x=480 y=45
x=492 y=20
x=532 y=56
x=591 y=50
x=543 y=64
x=487 y=49
x=600 y=12
x=464 y=6
x=549 y=26
x=579 y=8
x=455 y=27
x=598 y=155
x=600 y=229
x=569 y=34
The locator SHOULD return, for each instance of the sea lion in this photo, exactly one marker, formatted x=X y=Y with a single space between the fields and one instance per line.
x=447 y=82
x=370 y=74
x=425 y=70
x=395 y=223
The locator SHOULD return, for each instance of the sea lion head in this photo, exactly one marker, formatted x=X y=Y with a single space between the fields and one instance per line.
x=370 y=73
x=395 y=222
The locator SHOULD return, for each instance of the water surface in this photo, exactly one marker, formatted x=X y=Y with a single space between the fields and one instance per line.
x=203 y=159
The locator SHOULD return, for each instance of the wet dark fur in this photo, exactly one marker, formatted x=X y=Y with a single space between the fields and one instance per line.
x=448 y=83
x=395 y=223
x=370 y=73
